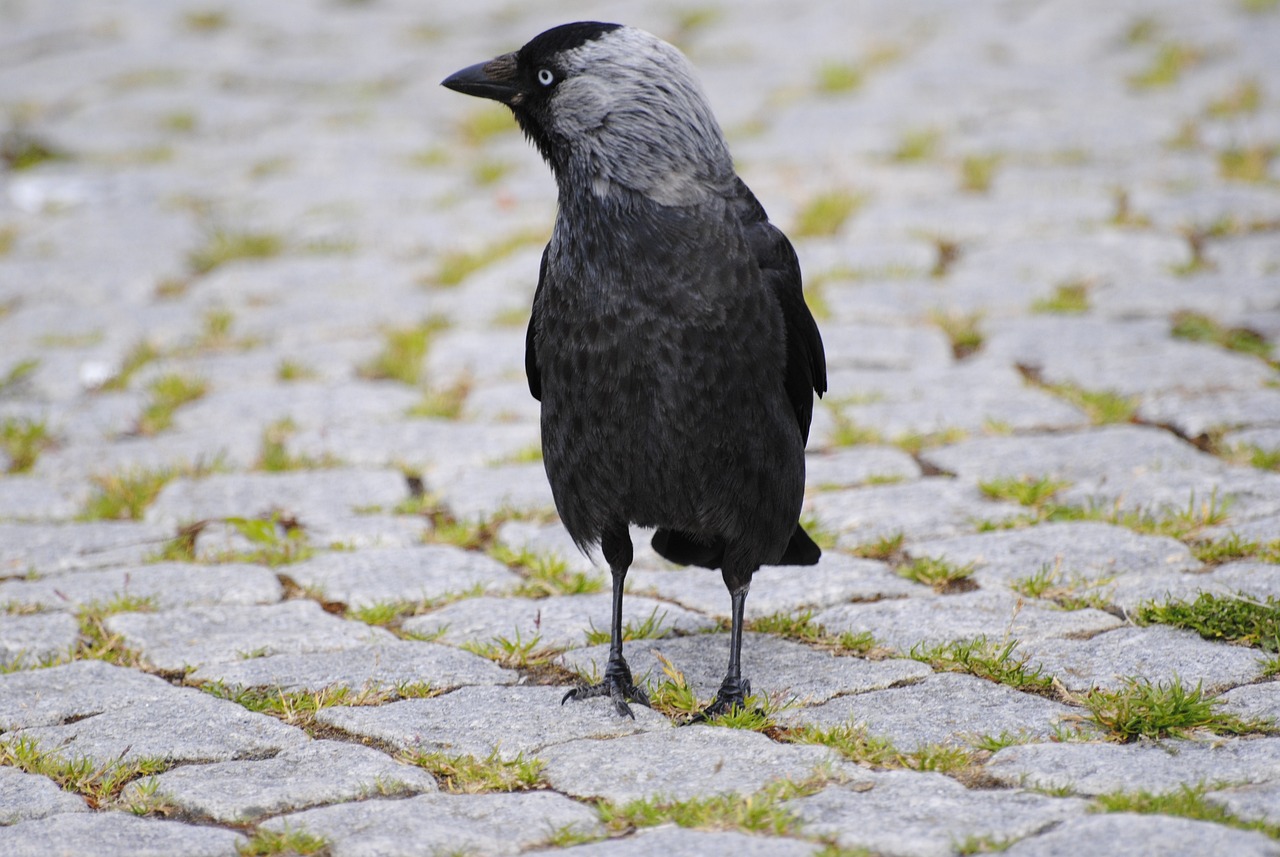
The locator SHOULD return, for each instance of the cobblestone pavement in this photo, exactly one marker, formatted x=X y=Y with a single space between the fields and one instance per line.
x=278 y=559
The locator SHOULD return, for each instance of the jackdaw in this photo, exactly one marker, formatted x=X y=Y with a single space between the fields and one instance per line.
x=670 y=344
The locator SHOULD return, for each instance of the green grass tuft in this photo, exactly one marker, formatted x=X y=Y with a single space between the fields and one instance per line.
x=289 y=841
x=222 y=246
x=1076 y=593
x=1201 y=328
x=653 y=627
x=167 y=394
x=22 y=440
x=1247 y=163
x=944 y=577
x=962 y=329
x=802 y=628
x=986 y=659
x=885 y=548
x=1143 y=709
x=99 y=783
x=463 y=774
x=1023 y=490
x=825 y=214
x=1238 y=619
x=1068 y=299
x=1186 y=802
x=977 y=172
x=1170 y=62
x=403 y=352
x=920 y=144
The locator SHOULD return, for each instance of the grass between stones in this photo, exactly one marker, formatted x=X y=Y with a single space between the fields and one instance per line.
x=23 y=440
x=1143 y=709
x=1074 y=593
x=464 y=774
x=17 y=374
x=402 y=353
x=299 y=708
x=518 y=654
x=167 y=394
x=989 y=660
x=1023 y=490
x=1179 y=522
x=98 y=784
x=274 y=455
x=290 y=840
x=1235 y=547
x=1198 y=327
x=855 y=743
x=944 y=577
x=1186 y=802
x=885 y=548
x=1239 y=619
x=1071 y=298
x=222 y=246
x=803 y=629
x=456 y=266
x=445 y=403
x=826 y=213
x=652 y=627
x=963 y=330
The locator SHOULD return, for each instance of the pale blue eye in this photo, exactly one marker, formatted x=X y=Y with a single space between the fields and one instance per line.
x=545 y=77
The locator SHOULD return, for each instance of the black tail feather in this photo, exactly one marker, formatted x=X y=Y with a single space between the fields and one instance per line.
x=683 y=549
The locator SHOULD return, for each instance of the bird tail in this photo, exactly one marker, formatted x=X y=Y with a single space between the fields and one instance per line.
x=684 y=549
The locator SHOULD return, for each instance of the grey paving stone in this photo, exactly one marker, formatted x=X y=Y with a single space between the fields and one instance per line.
x=439 y=823
x=1252 y=803
x=931 y=619
x=781 y=668
x=883 y=347
x=678 y=764
x=311 y=774
x=1192 y=416
x=178 y=639
x=972 y=398
x=1257 y=701
x=924 y=509
x=116 y=833
x=48 y=548
x=380 y=575
x=1076 y=550
x=33 y=498
x=836 y=579
x=553 y=540
x=927 y=815
x=502 y=401
x=168 y=585
x=1237 y=495
x=1157 y=653
x=304 y=495
x=384 y=664
x=1124 y=833
x=1254 y=579
x=476 y=721
x=73 y=691
x=481 y=492
x=1126 y=357
x=237 y=445
x=434 y=447
x=28 y=641
x=370 y=531
x=1093 y=769
x=843 y=468
x=184 y=726
x=1099 y=453
x=942 y=708
x=303 y=403
x=559 y=622
x=27 y=796
x=674 y=841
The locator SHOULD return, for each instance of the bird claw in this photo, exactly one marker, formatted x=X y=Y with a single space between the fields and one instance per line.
x=732 y=695
x=617 y=685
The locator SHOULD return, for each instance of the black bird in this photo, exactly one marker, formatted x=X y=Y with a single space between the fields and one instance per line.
x=670 y=344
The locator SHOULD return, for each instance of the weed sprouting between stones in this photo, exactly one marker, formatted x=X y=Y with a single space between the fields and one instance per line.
x=885 y=548
x=167 y=394
x=515 y=653
x=1186 y=802
x=403 y=352
x=1074 y=593
x=963 y=330
x=825 y=214
x=1235 y=547
x=652 y=627
x=1198 y=327
x=222 y=246
x=1023 y=490
x=986 y=659
x=22 y=440
x=300 y=707
x=546 y=575
x=99 y=783
x=1240 y=618
x=801 y=627
x=465 y=774
x=856 y=743
x=1145 y=709
x=288 y=841
x=944 y=577
x=1070 y=298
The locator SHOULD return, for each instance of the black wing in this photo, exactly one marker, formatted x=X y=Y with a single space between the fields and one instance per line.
x=530 y=349
x=806 y=370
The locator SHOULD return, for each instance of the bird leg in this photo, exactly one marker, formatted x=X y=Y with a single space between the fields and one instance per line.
x=735 y=689
x=617 y=684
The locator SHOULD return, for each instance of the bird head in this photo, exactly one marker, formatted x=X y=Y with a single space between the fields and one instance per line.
x=612 y=109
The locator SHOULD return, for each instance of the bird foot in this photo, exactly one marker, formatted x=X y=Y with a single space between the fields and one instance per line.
x=732 y=695
x=617 y=685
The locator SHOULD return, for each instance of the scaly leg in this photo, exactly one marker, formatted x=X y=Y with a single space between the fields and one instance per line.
x=734 y=690
x=617 y=684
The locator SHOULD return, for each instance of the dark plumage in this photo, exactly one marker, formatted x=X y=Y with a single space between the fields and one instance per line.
x=670 y=344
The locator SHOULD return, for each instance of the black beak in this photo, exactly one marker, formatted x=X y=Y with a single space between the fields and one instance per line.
x=494 y=79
